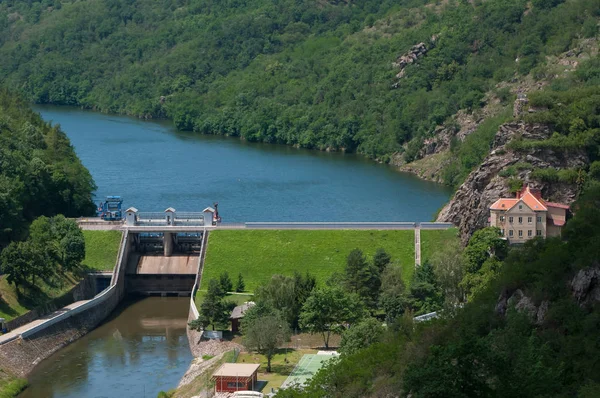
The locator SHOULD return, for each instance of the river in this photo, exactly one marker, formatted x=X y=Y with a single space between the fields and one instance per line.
x=139 y=351
x=154 y=167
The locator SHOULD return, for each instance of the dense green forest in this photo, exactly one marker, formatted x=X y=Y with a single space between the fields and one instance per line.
x=40 y=173
x=533 y=330
x=311 y=73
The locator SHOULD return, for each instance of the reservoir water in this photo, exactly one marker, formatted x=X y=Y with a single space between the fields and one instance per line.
x=154 y=167
x=141 y=350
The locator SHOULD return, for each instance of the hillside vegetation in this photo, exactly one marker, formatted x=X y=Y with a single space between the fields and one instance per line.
x=40 y=173
x=314 y=73
x=532 y=331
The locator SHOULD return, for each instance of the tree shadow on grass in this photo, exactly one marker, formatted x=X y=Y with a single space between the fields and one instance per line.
x=7 y=309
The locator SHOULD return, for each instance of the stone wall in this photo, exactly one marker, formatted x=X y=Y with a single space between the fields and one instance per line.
x=22 y=354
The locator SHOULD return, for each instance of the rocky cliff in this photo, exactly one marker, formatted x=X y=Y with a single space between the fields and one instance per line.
x=469 y=208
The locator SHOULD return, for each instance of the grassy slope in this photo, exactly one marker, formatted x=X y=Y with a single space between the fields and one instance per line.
x=101 y=248
x=101 y=252
x=258 y=254
x=430 y=240
x=10 y=386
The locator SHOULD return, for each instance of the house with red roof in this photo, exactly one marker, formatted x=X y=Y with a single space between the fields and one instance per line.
x=528 y=215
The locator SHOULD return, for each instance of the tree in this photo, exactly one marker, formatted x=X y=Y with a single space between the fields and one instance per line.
x=425 y=295
x=392 y=300
x=361 y=335
x=15 y=263
x=362 y=278
x=483 y=257
x=485 y=243
x=381 y=259
x=214 y=309
x=240 y=286
x=287 y=294
x=329 y=310
x=225 y=282
x=265 y=334
x=448 y=268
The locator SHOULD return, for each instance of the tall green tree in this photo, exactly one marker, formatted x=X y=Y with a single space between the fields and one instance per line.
x=361 y=335
x=362 y=278
x=265 y=333
x=214 y=310
x=381 y=259
x=329 y=310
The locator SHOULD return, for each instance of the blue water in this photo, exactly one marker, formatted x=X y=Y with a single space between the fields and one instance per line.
x=154 y=167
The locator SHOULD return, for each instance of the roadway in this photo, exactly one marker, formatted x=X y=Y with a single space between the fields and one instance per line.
x=97 y=224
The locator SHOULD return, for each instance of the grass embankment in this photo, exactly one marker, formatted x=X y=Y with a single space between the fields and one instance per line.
x=258 y=254
x=435 y=239
x=101 y=249
x=10 y=386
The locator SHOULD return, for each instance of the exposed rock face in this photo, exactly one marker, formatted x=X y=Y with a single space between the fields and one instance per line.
x=522 y=303
x=585 y=286
x=416 y=52
x=469 y=208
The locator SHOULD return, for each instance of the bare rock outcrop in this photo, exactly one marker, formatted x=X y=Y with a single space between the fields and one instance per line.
x=585 y=286
x=522 y=303
x=469 y=208
x=410 y=57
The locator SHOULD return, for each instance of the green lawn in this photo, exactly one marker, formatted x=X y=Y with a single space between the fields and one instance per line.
x=101 y=248
x=433 y=239
x=258 y=254
x=282 y=365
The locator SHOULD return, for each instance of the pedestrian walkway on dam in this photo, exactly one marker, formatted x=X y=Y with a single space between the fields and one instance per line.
x=98 y=224
x=15 y=333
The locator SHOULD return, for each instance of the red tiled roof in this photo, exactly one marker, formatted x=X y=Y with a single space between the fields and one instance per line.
x=558 y=205
x=503 y=204
x=531 y=197
x=558 y=223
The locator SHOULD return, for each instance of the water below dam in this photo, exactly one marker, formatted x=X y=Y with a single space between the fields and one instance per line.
x=153 y=167
x=139 y=351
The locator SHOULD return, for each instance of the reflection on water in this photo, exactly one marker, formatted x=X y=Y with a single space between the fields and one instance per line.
x=141 y=350
x=152 y=167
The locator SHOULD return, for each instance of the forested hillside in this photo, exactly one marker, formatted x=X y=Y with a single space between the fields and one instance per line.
x=40 y=173
x=313 y=73
x=530 y=329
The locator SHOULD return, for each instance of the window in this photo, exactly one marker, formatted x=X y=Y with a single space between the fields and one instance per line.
x=520 y=207
x=529 y=220
x=502 y=218
x=510 y=220
x=539 y=219
x=510 y=233
x=520 y=220
x=502 y=232
x=520 y=233
x=538 y=232
x=529 y=232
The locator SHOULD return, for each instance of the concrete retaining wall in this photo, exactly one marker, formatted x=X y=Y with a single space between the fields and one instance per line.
x=22 y=354
x=84 y=290
x=194 y=335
